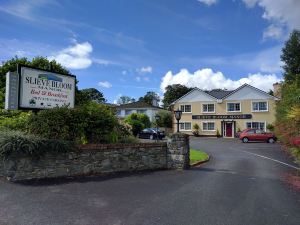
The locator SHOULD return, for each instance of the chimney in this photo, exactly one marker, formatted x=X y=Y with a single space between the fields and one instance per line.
x=154 y=102
x=277 y=89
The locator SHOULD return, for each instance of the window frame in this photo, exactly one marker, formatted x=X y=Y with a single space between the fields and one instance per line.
x=183 y=111
x=202 y=104
x=184 y=122
x=233 y=103
x=252 y=110
x=203 y=122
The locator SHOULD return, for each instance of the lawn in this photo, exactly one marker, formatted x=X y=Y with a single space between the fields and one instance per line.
x=197 y=156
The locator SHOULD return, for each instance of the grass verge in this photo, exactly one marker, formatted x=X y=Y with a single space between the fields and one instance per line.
x=197 y=156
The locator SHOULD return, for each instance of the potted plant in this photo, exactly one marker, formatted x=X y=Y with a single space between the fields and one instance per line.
x=270 y=127
x=218 y=133
x=196 y=129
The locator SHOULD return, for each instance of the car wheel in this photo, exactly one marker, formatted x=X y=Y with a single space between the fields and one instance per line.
x=151 y=137
x=245 y=140
x=271 y=140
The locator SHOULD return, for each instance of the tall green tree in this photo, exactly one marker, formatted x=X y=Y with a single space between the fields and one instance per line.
x=173 y=92
x=291 y=58
x=90 y=94
x=125 y=100
x=151 y=98
x=38 y=62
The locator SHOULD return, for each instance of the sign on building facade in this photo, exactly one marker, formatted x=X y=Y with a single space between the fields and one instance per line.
x=208 y=117
x=40 y=89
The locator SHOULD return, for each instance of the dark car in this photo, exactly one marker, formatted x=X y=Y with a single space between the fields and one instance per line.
x=151 y=133
x=257 y=135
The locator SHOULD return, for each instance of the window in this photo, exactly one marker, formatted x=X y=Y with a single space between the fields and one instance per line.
x=259 y=106
x=128 y=111
x=119 y=112
x=256 y=125
x=186 y=108
x=208 y=126
x=186 y=126
x=259 y=131
x=234 y=107
x=207 y=108
x=141 y=111
x=250 y=132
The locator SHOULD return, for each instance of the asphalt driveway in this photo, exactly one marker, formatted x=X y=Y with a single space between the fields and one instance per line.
x=242 y=184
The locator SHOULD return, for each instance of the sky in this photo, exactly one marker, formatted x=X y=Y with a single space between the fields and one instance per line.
x=129 y=47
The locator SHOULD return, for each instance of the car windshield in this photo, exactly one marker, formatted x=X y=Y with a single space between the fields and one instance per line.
x=155 y=129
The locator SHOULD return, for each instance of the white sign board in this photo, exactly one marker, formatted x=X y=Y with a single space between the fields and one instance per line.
x=44 y=90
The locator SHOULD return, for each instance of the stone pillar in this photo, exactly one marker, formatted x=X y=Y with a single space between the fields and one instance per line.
x=178 y=152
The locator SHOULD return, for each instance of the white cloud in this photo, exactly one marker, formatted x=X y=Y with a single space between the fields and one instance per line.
x=146 y=69
x=265 y=61
x=124 y=72
x=208 y=79
x=76 y=56
x=138 y=79
x=208 y=2
x=105 y=84
x=117 y=98
x=273 y=31
x=279 y=11
x=26 y=9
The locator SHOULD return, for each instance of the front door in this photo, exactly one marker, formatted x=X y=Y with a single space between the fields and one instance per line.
x=228 y=129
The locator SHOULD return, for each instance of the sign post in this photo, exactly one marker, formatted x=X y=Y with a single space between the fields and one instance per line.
x=32 y=88
x=12 y=91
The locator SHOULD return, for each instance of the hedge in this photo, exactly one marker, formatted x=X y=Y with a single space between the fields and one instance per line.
x=15 y=143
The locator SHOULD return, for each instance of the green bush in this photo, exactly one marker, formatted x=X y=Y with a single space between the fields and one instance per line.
x=15 y=143
x=138 y=122
x=196 y=129
x=165 y=119
x=270 y=127
x=14 y=120
x=90 y=123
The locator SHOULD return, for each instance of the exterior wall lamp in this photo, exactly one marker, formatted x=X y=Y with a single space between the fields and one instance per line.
x=177 y=114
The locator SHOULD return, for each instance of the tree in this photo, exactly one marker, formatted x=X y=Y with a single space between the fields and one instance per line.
x=151 y=98
x=138 y=122
x=92 y=94
x=38 y=62
x=125 y=100
x=291 y=58
x=173 y=92
x=165 y=119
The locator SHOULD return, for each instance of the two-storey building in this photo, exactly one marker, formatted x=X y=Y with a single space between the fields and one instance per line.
x=226 y=111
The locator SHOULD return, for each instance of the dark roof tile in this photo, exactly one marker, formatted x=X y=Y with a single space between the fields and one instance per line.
x=218 y=93
x=137 y=105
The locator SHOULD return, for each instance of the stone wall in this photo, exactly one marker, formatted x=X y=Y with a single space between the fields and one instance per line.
x=179 y=151
x=100 y=158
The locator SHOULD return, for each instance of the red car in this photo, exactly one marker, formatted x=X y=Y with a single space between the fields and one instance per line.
x=257 y=135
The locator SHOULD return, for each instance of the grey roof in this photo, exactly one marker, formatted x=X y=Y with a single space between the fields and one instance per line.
x=137 y=105
x=218 y=93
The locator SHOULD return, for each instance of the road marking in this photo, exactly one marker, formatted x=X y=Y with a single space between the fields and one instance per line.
x=265 y=157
